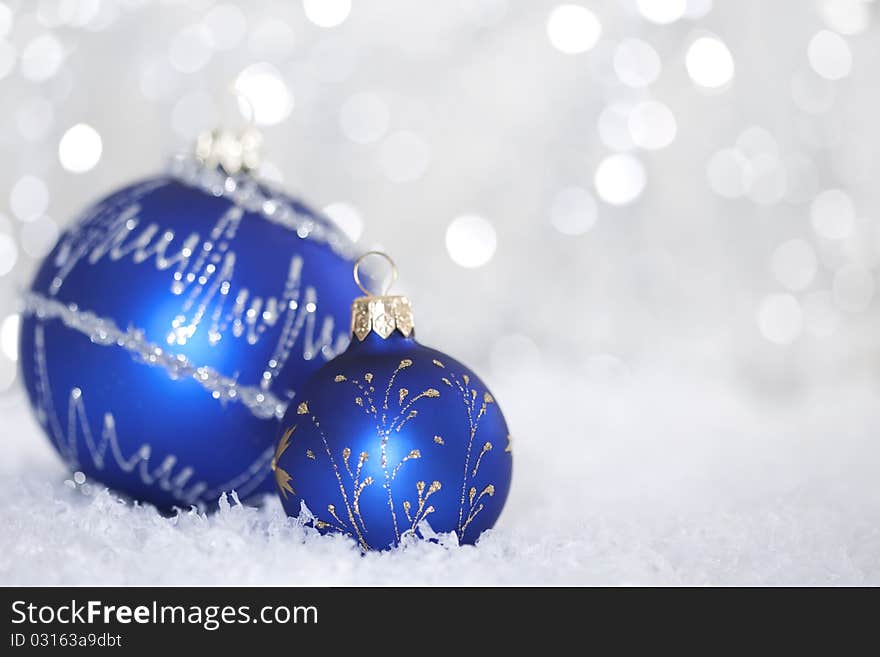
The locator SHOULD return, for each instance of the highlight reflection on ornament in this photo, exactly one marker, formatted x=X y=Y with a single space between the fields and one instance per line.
x=165 y=334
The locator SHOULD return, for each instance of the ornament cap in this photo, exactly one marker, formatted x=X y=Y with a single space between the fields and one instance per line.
x=383 y=313
x=234 y=151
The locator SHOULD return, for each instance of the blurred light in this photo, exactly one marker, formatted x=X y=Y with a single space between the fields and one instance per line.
x=780 y=318
x=636 y=63
x=42 y=57
x=794 y=264
x=484 y=12
x=470 y=241
x=861 y=248
x=265 y=94
x=192 y=113
x=271 y=39
x=512 y=355
x=8 y=372
x=333 y=59
x=8 y=254
x=852 y=162
x=327 y=13
x=227 y=25
x=191 y=49
x=573 y=211
x=7 y=58
x=573 y=29
x=765 y=179
x=9 y=336
x=620 y=179
x=727 y=171
x=5 y=20
x=9 y=329
x=364 y=118
x=347 y=218
x=404 y=157
x=662 y=12
x=613 y=127
x=107 y=13
x=811 y=93
x=62 y=87
x=605 y=368
x=71 y=12
x=820 y=315
x=652 y=125
x=80 y=148
x=34 y=118
x=600 y=64
x=709 y=62
x=755 y=141
x=833 y=214
x=853 y=288
x=803 y=179
x=29 y=198
x=829 y=55
x=38 y=237
x=846 y=16
x=697 y=9
x=158 y=80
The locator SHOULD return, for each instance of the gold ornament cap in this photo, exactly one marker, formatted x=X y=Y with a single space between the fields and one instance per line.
x=383 y=313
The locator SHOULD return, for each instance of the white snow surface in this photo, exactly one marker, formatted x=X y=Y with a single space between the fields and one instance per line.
x=644 y=478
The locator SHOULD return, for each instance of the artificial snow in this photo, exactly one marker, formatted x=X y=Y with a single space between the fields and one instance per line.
x=649 y=477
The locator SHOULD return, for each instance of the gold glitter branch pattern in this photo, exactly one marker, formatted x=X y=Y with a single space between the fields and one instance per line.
x=421 y=510
x=390 y=413
x=470 y=505
x=303 y=409
x=384 y=427
x=282 y=478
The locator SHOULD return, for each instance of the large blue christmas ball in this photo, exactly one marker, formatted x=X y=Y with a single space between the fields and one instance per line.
x=166 y=333
x=391 y=434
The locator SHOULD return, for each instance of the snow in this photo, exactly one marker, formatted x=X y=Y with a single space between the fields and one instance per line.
x=642 y=478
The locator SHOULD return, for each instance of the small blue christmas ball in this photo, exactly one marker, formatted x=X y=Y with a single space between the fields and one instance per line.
x=165 y=334
x=392 y=434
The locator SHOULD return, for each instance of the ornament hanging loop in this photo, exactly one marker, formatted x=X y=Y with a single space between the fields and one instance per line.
x=245 y=106
x=357 y=278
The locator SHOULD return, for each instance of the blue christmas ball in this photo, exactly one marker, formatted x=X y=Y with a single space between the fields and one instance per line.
x=166 y=333
x=391 y=434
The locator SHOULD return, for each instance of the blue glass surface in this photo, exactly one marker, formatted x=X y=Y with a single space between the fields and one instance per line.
x=392 y=433
x=197 y=277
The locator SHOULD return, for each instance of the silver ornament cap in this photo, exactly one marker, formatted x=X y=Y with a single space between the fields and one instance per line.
x=235 y=151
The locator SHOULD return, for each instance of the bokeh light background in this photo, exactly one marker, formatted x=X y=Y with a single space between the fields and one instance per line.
x=653 y=225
